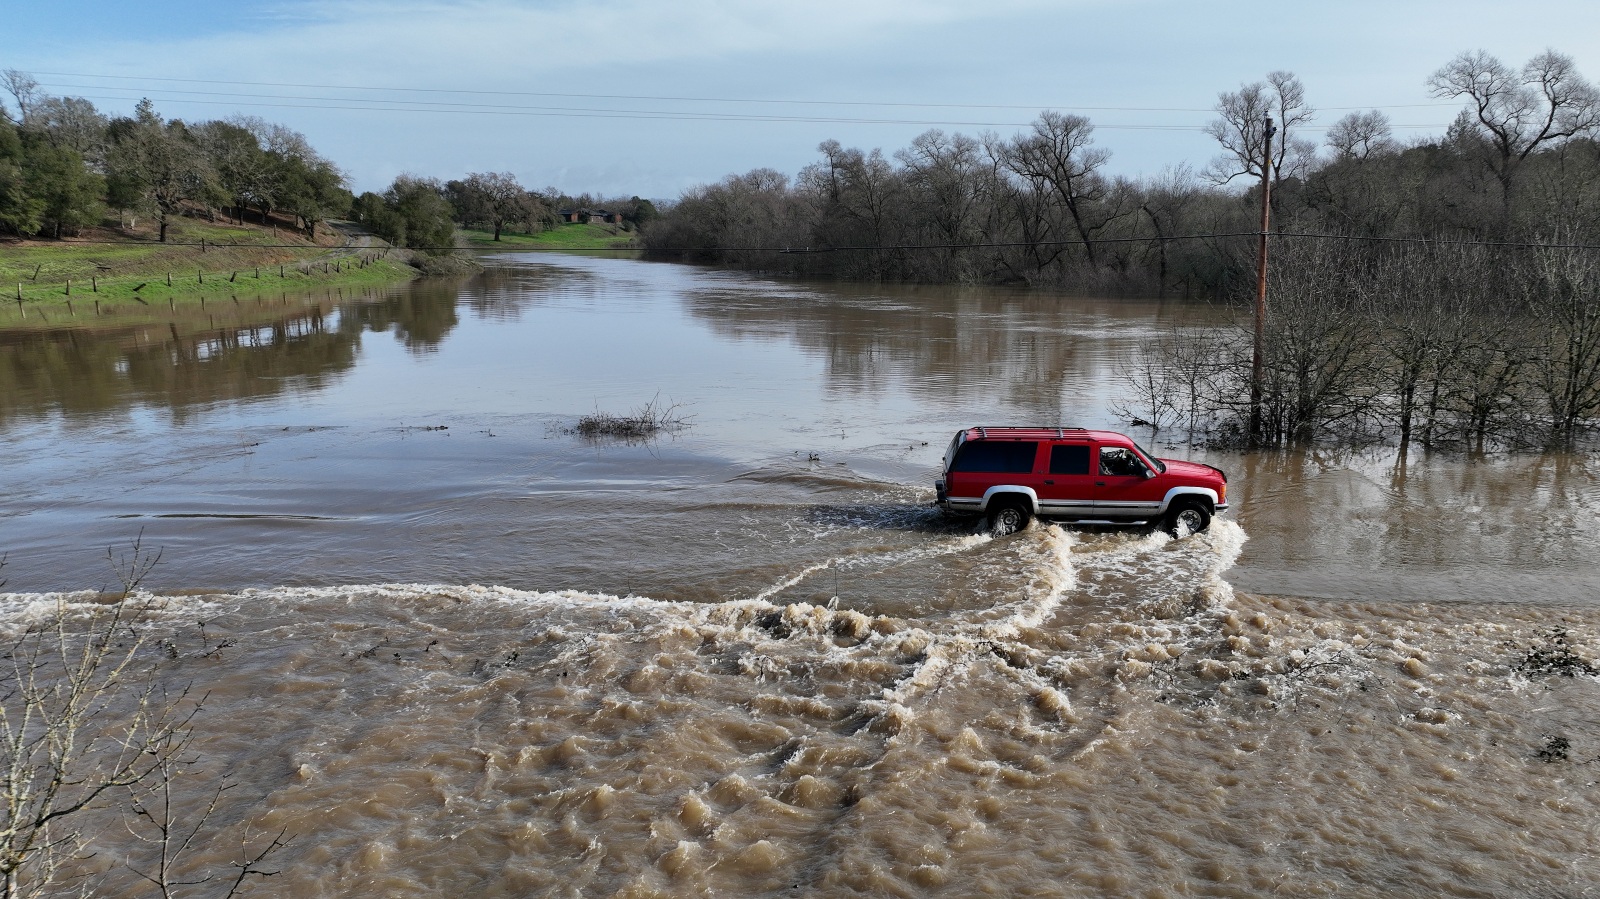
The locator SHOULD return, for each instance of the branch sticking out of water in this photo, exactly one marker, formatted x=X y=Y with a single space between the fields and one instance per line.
x=647 y=421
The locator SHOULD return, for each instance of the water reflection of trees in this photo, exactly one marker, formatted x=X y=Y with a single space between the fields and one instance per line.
x=501 y=294
x=1380 y=511
x=184 y=364
x=948 y=344
x=421 y=316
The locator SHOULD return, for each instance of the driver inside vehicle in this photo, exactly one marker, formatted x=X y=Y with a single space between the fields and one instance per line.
x=1119 y=462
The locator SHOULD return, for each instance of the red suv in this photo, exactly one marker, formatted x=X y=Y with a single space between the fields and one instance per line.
x=1098 y=477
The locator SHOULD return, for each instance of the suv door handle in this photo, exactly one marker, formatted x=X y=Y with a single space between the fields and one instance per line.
x=1048 y=481
x=1099 y=483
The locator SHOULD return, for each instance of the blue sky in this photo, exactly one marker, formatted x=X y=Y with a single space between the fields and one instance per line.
x=575 y=93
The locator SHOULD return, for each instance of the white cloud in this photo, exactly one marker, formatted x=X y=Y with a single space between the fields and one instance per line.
x=487 y=42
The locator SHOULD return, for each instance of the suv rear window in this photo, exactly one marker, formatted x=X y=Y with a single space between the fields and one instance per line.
x=999 y=456
x=1069 y=458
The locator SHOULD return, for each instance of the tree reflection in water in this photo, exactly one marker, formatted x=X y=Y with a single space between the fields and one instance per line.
x=195 y=360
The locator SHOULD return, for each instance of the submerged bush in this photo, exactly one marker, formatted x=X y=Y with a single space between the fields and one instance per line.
x=647 y=421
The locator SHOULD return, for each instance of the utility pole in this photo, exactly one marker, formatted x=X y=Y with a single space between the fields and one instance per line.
x=1257 y=365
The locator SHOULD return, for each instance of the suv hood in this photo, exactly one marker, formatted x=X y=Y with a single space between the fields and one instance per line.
x=1190 y=470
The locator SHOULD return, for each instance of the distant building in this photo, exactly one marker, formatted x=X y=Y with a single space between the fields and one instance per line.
x=589 y=216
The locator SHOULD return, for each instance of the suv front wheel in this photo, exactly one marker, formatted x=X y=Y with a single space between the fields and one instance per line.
x=1007 y=517
x=1188 y=517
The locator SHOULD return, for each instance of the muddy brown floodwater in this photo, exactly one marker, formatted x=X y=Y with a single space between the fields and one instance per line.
x=450 y=646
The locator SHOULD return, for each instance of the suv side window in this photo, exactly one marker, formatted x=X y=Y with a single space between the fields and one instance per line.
x=1069 y=458
x=996 y=456
x=1119 y=462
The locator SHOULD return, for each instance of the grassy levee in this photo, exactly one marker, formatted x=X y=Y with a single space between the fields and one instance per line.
x=244 y=305
x=135 y=273
x=227 y=315
x=561 y=237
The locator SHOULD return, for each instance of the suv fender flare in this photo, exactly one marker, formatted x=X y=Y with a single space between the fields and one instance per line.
x=1205 y=493
x=1012 y=490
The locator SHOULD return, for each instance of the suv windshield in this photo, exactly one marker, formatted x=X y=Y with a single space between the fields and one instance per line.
x=1160 y=465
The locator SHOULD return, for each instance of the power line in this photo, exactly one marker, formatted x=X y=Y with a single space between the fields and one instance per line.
x=684 y=99
x=415 y=106
x=437 y=90
x=584 y=112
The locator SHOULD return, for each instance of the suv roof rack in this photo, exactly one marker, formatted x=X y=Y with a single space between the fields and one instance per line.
x=984 y=431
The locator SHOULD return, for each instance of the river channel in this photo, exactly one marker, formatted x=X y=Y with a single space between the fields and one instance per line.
x=474 y=650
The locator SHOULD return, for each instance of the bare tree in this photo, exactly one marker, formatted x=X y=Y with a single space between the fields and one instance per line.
x=1518 y=112
x=1241 y=129
x=1179 y=379
x=24 y=90
x=84 y=723
x=1022 y=209
x=172 y=829
x=855 y=193
x=1059 y=154
x=1361 y=134
x=1429 y=302
x=941 y=177
x=1564 y=295
x=1321 y=377
x=1166 y=200
x=59 y=682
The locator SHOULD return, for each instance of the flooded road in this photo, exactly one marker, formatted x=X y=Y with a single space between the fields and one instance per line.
x=470 y=649
x=418 y=436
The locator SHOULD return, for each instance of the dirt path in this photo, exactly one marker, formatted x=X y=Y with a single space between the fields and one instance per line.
x=356 y=239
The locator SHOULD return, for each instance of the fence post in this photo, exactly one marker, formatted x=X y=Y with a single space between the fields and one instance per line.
x=94 y=283
x=69 y=287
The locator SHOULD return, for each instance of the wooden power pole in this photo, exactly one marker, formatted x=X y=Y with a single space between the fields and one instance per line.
x=1257 y=364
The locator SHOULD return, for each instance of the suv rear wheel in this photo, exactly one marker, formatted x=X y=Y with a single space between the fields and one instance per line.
x=1007 y=517
x=1188 y=517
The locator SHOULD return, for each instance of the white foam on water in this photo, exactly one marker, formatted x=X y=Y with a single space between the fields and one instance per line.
x=785 y=584
x=1052 y=568
x=877 y=561
x=1048 y=562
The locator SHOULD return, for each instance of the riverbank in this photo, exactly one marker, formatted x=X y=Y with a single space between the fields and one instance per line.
x=562 y=237
x=111 y=272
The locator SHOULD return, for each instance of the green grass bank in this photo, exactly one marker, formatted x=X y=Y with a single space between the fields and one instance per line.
x=200 y=261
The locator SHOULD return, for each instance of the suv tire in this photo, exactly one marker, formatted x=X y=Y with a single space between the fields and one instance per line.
x=1187 y=517
x=1008 y=517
